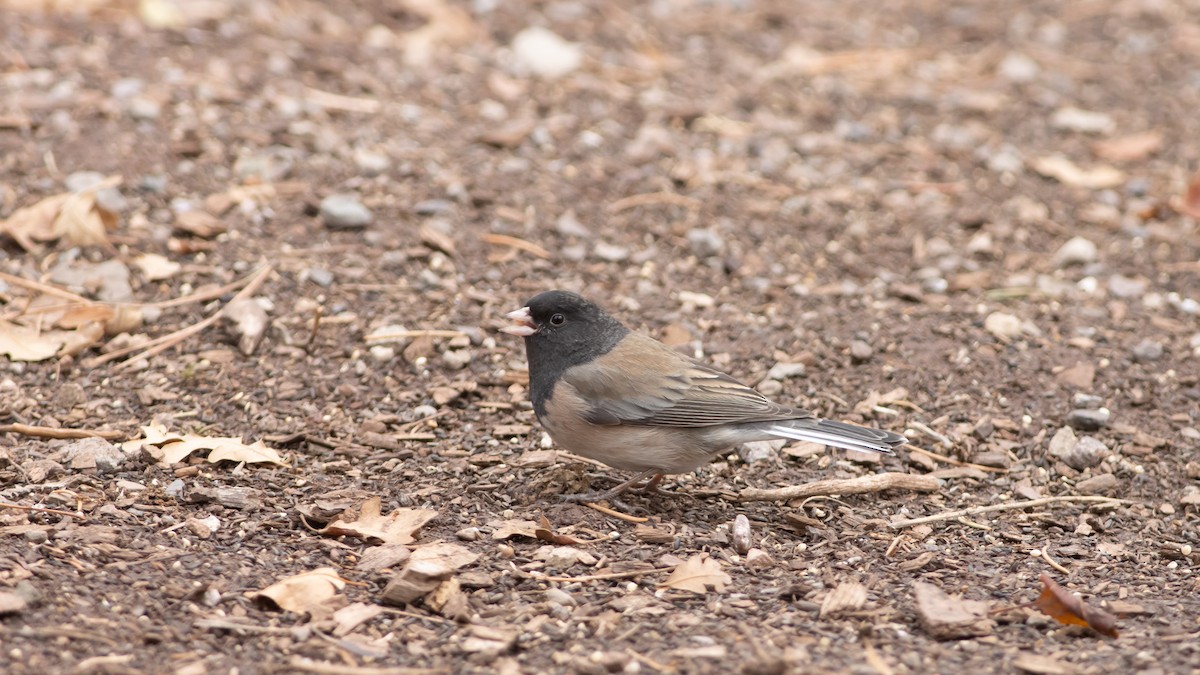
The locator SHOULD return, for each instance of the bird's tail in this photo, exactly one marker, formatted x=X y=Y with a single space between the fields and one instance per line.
x=838 y=434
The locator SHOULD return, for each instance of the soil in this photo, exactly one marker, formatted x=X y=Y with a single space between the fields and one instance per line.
x=876 y=192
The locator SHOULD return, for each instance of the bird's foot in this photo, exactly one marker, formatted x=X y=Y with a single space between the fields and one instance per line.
x=651 y=486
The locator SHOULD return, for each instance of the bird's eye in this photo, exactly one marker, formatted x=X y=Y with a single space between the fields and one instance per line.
x=558 y=320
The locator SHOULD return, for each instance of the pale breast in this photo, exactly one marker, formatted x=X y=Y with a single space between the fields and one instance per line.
x=627 y=447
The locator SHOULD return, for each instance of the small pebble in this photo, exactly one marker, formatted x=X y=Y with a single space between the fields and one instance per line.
x=860 y=351
x=344 y=212
x=543 y=53
x=319 y=276
x=705 y=243
x=1089 y=420
x=174 y=488
x=468 y=534
x=610 y=252
x=1101 y=484
x=783 y=371
x=1076 y=251
x=1147 y=350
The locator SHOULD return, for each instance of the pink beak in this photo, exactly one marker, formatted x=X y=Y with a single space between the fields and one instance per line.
x=523 y=324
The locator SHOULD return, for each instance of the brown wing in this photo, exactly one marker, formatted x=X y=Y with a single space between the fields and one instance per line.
x=644 y=382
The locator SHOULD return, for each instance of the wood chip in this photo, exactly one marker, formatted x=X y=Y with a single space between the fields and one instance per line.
x=846 y=597
x=945 y=617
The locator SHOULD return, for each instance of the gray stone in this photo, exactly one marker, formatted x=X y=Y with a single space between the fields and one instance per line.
x=783 y=371
x=1089 y=420
x=109 y=199
x=344 y=212
x=1123 y=287
x=320 y=276
x=705 y=243
x=1147 y=350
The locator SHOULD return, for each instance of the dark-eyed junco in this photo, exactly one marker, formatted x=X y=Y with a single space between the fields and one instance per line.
x=633 y=403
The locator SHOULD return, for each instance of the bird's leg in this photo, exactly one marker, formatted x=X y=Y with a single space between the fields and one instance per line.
x=651 y=485
x=653 y=474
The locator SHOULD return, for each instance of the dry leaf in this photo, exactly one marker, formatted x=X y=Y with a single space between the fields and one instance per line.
x=250 y=321
x=1065 y=607
x=168 y=447
x=545 y=532
x=1067 y=172
x=82 y=221
x=354 y=615
x=506 y=529
x=34 y=223
x=304 y=592
x=157 y=267
x=440 y=560
x=398 y=527
x=945 y=617
x=199 y=224
x=21 y=343
x=696 y=574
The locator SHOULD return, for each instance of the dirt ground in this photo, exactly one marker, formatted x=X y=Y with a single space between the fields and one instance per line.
x=967 y=221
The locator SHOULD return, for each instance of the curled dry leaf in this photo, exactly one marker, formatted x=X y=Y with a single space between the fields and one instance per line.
x=397 y=527
x=249 y=319
x=545 y=532
x=697 y=574
x=156 y=267
x=1067 y=608
x=22 y=343
x=168 y=448
x=304 y=592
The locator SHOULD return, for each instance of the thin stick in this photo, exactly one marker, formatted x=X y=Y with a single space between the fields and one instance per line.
x=399 y=335
x=44 y=288
x=1050 y=561
x=615 y=514
x=41 y=509
x=924 y=428
x=650 y=198
x=321 y=668
x=51 y=432
x=951 y=461
x=591 y=577
x=514 y=242
x=877 y=482
x=165 y=342
x=1007 y=506
x=203 y=296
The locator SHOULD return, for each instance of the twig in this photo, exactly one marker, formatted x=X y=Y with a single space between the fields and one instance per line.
x=1007 y=506
x=650 y=663
x=615 y=514
x=951 y=461
x=537 y=576
x=332 y=101
x=161 y=344
x=41 y=509
x=404 y=334
x=38 y=286
x=414 y=615
x=877 y=482
x=650 y=198
x=202 y=296
x=221 y=624
x=924 y=428
x=1045 y=555
x=514 y=242
x=312 y=335
x=52 y=432
x=321 y=668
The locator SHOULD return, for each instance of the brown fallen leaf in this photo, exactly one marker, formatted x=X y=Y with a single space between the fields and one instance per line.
x=397 y=527
x=34 y=223
x=945 y=617
x=545 y=532
x=1067 y=608
x=22 y=343
x=304 y=592
x=696 y=574
x=168 y=447
x=427 y=568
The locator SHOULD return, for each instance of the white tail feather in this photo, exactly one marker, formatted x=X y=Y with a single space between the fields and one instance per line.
x=828 y=438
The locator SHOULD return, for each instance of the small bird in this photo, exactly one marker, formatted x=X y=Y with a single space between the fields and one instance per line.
x=625 y=399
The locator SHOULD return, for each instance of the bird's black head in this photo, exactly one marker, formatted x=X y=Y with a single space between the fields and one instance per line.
x=561 y=330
